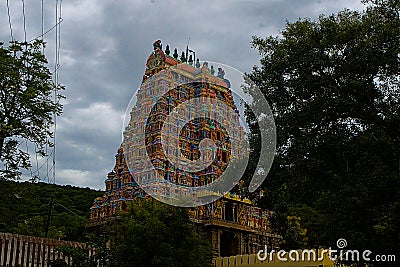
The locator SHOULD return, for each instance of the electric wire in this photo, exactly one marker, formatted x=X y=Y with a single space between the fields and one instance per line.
x=55 y=93
x=37 y=161
x=50 y=171
x=47 y=138
x=49 y=30
x=27 y=151
x=24 y=19
x=76 y=214
x=58 y=18
x=44 y=163
x=42 y=24
x=9 y=22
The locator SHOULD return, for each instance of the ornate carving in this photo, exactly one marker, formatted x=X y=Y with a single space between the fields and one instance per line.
x=155 y=62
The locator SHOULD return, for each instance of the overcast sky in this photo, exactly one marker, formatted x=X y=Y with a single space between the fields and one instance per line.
x=104 y=46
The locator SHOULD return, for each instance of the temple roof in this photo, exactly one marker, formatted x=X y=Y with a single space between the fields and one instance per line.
x=159 y=59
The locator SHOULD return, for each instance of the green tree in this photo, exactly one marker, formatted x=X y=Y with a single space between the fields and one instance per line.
x=156 y=234
x=295 y=233
x=33 y=227
x=333 y=86
x=81 y=257
x=26 y=104
x=25 y=206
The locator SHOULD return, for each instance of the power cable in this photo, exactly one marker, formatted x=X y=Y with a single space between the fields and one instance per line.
x=9 y=21
x=58 y=18
x=49 y=30
x=30 y=168
x=24 y=19
x=55 y=93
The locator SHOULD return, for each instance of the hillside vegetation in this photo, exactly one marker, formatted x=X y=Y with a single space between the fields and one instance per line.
x=25 y=207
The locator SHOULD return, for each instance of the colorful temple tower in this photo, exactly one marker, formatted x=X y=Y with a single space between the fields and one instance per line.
x=233 y=224
x=172 y=140
x=120 y=189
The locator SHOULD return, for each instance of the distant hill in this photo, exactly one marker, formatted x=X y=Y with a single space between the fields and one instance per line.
x=24 y=209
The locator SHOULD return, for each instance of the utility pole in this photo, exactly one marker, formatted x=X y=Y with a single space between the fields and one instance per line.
x=49 y=217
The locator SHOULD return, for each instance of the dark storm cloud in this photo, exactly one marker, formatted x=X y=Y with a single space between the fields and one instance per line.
x=104 y=46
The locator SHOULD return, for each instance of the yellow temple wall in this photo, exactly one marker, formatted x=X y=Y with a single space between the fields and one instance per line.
x=253 y=261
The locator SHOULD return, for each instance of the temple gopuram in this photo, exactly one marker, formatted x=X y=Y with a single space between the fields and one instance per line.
x=233 y=224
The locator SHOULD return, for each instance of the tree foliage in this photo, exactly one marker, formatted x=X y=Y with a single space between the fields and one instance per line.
x=334 y=88
x=27 y=104
x=81 y=257
x=156 y=234
x=152 y=234
x=25 y=206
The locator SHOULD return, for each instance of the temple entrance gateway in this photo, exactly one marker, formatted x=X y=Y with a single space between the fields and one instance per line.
x=233 y=223
x=230 y=244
